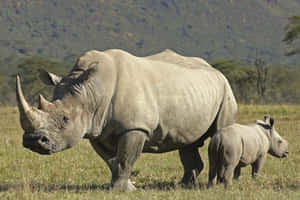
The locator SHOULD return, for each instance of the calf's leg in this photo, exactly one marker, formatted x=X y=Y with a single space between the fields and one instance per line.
x=230 y=164
x=257 y=165
x=228 y=175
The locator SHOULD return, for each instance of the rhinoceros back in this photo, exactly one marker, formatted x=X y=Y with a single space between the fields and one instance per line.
x=175 y=104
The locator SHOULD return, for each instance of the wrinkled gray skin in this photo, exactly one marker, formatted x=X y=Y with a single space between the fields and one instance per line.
x=126 y=105
x=238 y=145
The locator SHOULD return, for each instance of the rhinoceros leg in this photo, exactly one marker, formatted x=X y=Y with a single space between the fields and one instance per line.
x=237 y=172
x=257 y=165
x=213 y=172
x=192 y=164
x=108 y=156
x=228 y=174
x=130 y=146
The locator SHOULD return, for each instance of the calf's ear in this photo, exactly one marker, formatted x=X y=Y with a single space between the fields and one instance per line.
x=49 y=78
x=259 y=122
x=271 y=122
x=266 y=118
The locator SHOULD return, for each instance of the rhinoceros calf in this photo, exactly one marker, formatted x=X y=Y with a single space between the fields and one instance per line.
x=238 y=145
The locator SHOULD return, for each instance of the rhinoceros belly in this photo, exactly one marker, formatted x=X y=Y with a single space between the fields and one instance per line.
x=166 y=139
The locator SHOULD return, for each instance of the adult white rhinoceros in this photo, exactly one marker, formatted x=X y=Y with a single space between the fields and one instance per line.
x=126 y=105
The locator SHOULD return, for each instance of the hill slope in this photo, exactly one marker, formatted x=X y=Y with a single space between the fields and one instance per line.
x=212 y=29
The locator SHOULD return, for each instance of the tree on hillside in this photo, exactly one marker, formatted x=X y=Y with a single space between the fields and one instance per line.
x=292 y=34
x=262 y=70
x=242 y=79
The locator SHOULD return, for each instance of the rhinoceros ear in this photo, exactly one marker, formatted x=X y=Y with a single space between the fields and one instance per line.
x=49 y=78
x=269 y=121
x=92 y=69
x=266 y=119
x=260 y=122
x=263 y=124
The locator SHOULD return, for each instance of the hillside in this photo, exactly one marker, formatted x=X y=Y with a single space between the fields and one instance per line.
x=213 y=29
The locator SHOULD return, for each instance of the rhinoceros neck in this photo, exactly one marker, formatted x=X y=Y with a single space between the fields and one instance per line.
x=95 y=102
x=81 y=96
x=84 y=100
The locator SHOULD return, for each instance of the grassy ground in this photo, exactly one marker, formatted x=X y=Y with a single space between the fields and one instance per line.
x=79 y=173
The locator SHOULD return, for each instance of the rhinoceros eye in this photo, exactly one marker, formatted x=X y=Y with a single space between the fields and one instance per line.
x=65 y=119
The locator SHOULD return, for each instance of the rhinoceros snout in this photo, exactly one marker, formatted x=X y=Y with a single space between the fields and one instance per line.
x=37 y=143
x=285 y=154
x=43 y=140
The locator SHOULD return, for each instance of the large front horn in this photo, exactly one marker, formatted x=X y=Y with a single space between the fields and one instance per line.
x=22 y=103
x=27 y=114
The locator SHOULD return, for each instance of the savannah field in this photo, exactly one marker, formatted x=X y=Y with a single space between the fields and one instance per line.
x=79 y=173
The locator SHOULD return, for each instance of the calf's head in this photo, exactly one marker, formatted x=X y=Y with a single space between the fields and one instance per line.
x=278 y=145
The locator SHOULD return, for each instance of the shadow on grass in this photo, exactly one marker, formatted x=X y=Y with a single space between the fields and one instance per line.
x=37 y=187
x=171 y=186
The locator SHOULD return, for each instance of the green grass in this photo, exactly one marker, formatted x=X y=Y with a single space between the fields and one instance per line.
x=79 y=173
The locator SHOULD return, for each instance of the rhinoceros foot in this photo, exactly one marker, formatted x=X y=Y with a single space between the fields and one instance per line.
x=123 y=186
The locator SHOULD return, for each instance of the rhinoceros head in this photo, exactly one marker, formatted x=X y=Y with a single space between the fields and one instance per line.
x=278 y=145
x=59 y=124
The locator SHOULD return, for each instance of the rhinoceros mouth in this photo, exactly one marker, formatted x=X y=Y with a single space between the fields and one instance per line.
x=38 y=143
x=285 y=154
x=282 y=155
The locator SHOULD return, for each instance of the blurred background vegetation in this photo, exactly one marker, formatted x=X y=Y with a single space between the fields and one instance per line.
x=257 y=83
x=254 y=43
